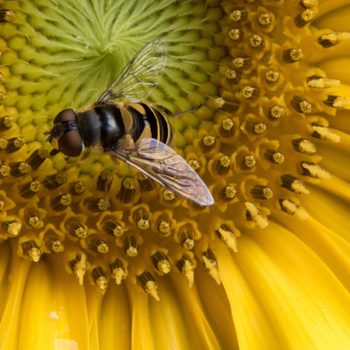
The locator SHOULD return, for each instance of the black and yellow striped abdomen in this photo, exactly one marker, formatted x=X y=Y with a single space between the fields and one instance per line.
x=105 y=124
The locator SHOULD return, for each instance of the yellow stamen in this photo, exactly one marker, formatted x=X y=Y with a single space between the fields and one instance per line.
x=149 y=285
x=325 y=134
x=211 y=265
x=186 y=267
x=254 y=214
x=118 y=270
x=315 y=171
x=225 y=233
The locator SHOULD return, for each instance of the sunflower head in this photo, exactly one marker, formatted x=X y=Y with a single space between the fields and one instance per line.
x=264 y=112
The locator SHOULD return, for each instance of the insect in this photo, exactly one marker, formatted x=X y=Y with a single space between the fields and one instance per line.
x=130 y=130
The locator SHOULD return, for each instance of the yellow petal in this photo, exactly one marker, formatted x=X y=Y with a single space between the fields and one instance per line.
x=305 y=302
x=115 y=319
x=253 y=327
x=12 y=303
x=216 y=306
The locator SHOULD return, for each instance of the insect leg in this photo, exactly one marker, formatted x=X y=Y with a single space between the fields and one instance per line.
x=178 y=114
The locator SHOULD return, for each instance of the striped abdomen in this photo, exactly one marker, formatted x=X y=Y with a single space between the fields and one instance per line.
x=106 y=124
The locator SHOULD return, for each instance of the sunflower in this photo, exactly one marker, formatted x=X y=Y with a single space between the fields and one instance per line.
x=95 y=255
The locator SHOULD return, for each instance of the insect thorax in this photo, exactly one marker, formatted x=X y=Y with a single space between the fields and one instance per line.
x=101 y=125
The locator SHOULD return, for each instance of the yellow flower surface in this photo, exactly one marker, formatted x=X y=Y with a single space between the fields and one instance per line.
x=94 y=255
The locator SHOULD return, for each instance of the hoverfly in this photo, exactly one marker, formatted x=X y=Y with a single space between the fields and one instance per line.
x=132 y=131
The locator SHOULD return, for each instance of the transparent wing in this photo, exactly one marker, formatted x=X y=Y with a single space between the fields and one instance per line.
x=165 y=166
x=139 y=77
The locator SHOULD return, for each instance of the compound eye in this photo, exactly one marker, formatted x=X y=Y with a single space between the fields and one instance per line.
x=65 y=115
x=71 y=143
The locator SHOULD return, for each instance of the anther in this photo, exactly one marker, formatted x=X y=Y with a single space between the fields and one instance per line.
x=242 y=62
x=33 y=220
x=292 y=55
x=265 y=19
x=161 y=262
x=256 y=41
x=130 y=246
x=274 y=156
x=145 y=183
x=118 y=270
x=227 y=127
x=223 y=165
x=238 y=15
x=332 y=39
x=77 y=230
x=31 y=250
x=293 y=184
x=276 y=112
x=78 y=266
x=54 y=245
x=97 y=204
x=148 y=284
x=37 y=158
x=324 y=133
x=20 y=168
x=226 y=235
x=301 y=105
x=3 y=144
x=98 y=246
x=168 y=195
x=194 y=163
x=100 y=279
x=272 y=76
x=250 y=92
x=61 y=202
x=235 y=34
x=304 y=18
x=255 y=215
x=30 y=189
x=211 y=265
x=292 y=208
x=232 y=75
x=104 y=181
x=77 y=187
x=259 y=128
x=143 y=224
x=304 y=146
x=5 y=170
x=318 y=82
x=6 y=122
x=337 y=101
x=314 y=170
x=52 y=182
x=113 y=228
x=12 y=228
x=226 y=106
x=127 y=190
x=15 y=144
x=6 y=15
x=186 y=267
x=187 y=239
x=229 y=192
x=141 y=217
x=248 y=162
x=164 y=227
x=261 y=192
x=208 y=141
